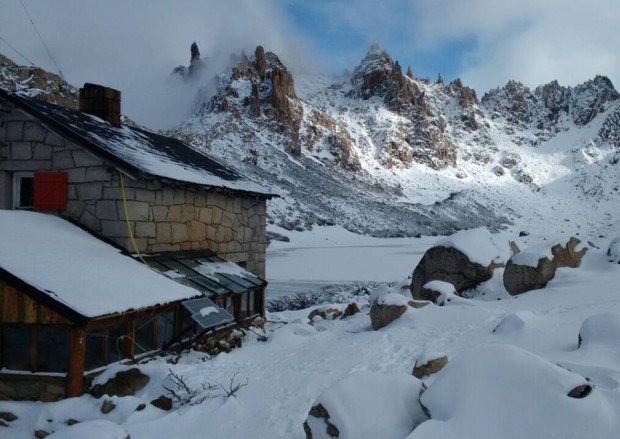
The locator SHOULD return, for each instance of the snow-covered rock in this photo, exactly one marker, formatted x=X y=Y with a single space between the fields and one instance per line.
x=367 y=405
x=502 y=391
x=99 y=429
x=464 y=260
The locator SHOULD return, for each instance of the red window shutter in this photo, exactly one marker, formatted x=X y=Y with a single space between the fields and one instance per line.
x=50 y=191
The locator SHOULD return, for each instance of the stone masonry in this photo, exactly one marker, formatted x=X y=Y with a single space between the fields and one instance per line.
x=163 y=215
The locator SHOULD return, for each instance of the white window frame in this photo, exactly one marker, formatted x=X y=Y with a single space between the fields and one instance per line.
x=17 y=179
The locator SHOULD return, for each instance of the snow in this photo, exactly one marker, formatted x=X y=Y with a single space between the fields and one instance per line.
x=600 y=330
x=209 y=269
x=100 y=429
x=394 y=299
x=440 y=286
x=208 y=310
x=371 y=405
x=503 y=391
x=60 y=259
x=502 y=383
x=476 y=244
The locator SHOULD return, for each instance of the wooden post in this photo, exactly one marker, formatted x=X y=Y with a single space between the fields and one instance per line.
x=77 y=358
x=129 y=329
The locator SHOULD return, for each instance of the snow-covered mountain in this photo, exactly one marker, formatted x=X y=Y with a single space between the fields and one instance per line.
x=386 y=153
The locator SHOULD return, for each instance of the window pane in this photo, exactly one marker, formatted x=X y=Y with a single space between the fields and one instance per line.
x=26 y=191
x=53 y=349
x=252 y=302
x=115 y=349
x=144 y=335
x=17 y=347
x=95 y=349
x=165 y=328
x=244 y=305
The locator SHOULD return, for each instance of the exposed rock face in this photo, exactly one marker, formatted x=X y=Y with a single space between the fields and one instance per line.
x=124 y=383
x=450 y=265
x=271 y=93
x=471 y=115
x=196 y=64
x=382 y=315
x=38 y=83
x=591 y=98
x=107 y=406
x=430 y=367
x=520 y=278
x=424 y=140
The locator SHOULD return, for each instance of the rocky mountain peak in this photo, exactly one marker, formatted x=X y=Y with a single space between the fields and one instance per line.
x=372 y=74
x=591 y=98
x=196 y=65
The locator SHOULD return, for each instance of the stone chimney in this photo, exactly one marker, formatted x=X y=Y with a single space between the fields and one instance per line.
x=103 y=102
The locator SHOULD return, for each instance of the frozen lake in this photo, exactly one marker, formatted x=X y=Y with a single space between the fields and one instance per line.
x=332 y=255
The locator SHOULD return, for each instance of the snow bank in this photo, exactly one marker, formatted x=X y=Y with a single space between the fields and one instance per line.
x=371 y=405
x=515 y=322
x=600 y=329
x=512 y=393
x=100 y=429
x=476 y=244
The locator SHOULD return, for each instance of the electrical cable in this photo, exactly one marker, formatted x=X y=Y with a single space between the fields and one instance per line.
x=17 y=51
x=49 y=52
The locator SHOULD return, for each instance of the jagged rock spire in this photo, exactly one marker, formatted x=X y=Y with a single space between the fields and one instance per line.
x=409 y=72
x=195 y=52
x=439 y=79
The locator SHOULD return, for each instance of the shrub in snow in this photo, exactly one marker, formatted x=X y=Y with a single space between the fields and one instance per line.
x=99 y=429
x=429 y=364
x=533 y=268
x=367 y=405
x=501 y=391
x=465 y=260
x=600 y=329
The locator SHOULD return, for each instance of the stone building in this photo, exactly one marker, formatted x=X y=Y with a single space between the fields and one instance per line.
x=144 y=191
x=142 y=197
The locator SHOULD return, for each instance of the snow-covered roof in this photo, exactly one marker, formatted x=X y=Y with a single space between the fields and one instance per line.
x=77 y=270
x=137 y=150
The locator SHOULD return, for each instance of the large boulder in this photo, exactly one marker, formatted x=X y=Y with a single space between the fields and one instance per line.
x=533 y=269
x=367 y=405
x=465 y=260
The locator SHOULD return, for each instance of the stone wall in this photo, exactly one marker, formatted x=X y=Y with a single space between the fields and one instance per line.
x=162 y=216
x=15 y=388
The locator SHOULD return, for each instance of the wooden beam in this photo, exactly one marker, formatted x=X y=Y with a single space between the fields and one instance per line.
x=127 y=345
x=76 y=361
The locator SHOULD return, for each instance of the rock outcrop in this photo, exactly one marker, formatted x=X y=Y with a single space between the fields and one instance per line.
x=429 y=365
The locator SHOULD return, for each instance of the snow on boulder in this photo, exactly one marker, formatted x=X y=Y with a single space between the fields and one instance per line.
x=367 y=405
x=501 y=391
x=515 y=322
x=401 y=288
x=533 y=268
x=99 y=429
x=438 y=291
x=614 y=250
x=464 y=260
x=600 y=330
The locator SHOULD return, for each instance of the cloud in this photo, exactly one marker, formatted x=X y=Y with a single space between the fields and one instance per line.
x=528 y=40
x=134 y=45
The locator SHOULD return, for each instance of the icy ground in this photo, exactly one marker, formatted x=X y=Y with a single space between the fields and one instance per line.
x=488 y=390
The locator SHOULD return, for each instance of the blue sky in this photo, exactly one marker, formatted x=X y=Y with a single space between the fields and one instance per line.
x=133 y=45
